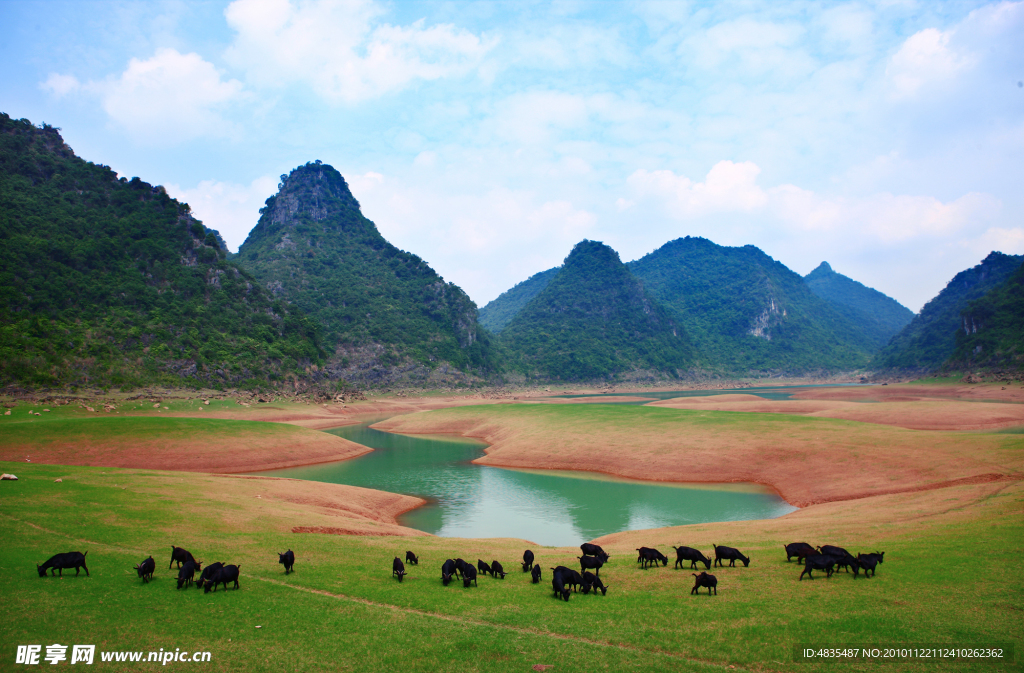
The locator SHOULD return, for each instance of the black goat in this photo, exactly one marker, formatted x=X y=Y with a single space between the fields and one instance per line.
x=704 y=580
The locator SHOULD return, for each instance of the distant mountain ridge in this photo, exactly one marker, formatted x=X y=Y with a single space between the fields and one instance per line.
x=931 y=337
x=878 y=316
x=748 y=313
x=991 y=334
x=593 y=320
x=106 y=281
x=378 y=306
x=499 y=312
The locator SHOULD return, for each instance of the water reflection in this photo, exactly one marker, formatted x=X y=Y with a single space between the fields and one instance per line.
x=556 y=509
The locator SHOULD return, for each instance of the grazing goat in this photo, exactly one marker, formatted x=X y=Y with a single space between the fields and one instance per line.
x=208 y=574
x=398 y=568
x=187 y=572
x=180 y=555
x=868 y=562
x=460 y=568
x=569 y=577
x=704 y=580
x=447 y=570
x=592 y=581
x=590 y=563
x=497 y=569
x=411 y=559
x=223 y=576
x=287 y=559
x=824 y=562
x=800 y=550
x=146 y=569
x=527 y=561
x=536 y=573
x=558 y=584
x=594 y=550
x=651 y=556
x=482 y=567
x=468 y=575
x=684 y=554
x=731 y=555
x=62 y=562
x=844 y=559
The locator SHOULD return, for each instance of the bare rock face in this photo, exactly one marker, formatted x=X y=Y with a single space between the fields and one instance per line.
x=314 y=249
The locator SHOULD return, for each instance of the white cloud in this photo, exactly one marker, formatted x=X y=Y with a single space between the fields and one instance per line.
x=231 y=209
x=926 y=58
x=337 y=48
x=729 y=187
x=169 y=98
x=60 y=85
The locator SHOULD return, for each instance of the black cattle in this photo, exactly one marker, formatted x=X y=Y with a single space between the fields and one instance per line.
x=704 y=580
x=594 y=550
x=650 y=556
x=482 y=567
x=287 y=559
x=569 y=577
x=497 y=569
x=800 y=550
x=62 y=562
x=146 y=568
x=590 y=563
x=180 y=555
x=447 y=570
x=558 y=584
x=731 y=555
x=224 y=575
x=208 y=573
x=468 y=575
x=411 y=558
x=592 y=581
x=824 y=562
x=187 y=572
x=398 y=568
x=844 y=559
x=527 y=561
x=684 y=554
x=868 y=562
x=536 y=573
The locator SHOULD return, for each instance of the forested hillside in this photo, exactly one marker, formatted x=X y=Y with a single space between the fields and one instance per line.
x=878 y=316
x=106 y=281
x=381 y=309
x=594 y=321
x=747 y=313
x=991 y=334
x=931 y=337
x=499 y=312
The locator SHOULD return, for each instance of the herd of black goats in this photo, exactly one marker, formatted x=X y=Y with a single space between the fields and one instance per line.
x=826 y=557
x=563 y=579
x=210 y=577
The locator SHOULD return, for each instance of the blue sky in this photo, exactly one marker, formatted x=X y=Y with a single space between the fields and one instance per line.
x=487 y=137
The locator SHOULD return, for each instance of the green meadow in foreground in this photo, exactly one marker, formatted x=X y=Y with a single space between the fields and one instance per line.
x=949 y=580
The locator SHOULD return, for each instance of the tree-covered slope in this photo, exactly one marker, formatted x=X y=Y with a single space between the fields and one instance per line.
x=746 y=312
x=313 y=248
x=931 y=337
x=106 y=281
x=499 y=312
x=991 y=333
x=594 y=321
x=878 y=316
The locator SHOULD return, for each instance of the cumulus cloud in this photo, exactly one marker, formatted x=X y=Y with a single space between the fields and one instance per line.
x=232 y=209
x=338 y=49
x=170 y=97
x=60 y=85
x=926 y=58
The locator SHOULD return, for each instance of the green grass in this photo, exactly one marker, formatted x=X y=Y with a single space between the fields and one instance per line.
x=936 y=586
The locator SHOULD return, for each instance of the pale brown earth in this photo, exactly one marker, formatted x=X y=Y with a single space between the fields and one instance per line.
x=921 y=414
x=240 y=451
x=806 y=460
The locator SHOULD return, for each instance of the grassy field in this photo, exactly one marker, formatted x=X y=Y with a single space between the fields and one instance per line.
x=953 y=572
x=952 y=577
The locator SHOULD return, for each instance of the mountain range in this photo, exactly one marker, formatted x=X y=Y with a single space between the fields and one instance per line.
x=106 y=281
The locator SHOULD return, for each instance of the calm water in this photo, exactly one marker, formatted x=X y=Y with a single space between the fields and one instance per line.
x=555 y=509
x=767 y=392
